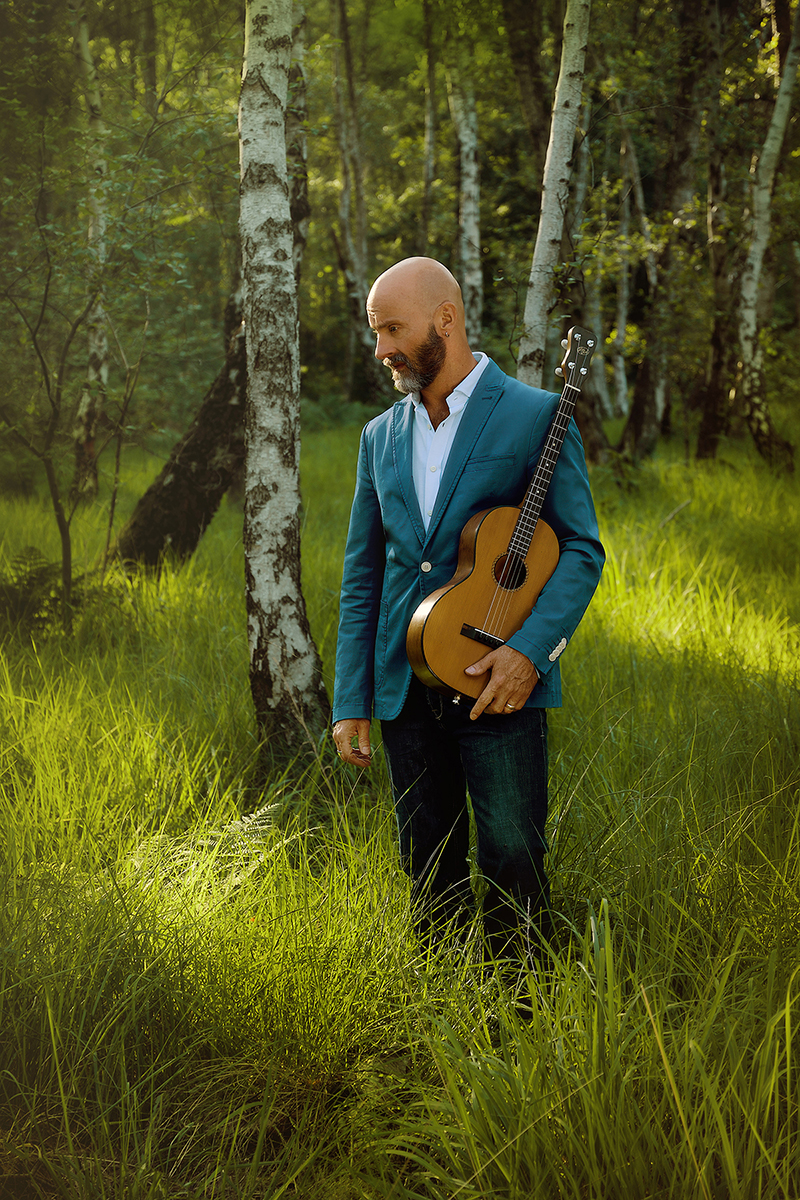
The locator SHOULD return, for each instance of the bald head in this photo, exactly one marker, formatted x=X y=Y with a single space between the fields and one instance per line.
x=422 y=282
x=416 y=311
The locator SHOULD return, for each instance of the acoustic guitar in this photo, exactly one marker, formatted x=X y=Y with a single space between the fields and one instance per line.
x=505 y=557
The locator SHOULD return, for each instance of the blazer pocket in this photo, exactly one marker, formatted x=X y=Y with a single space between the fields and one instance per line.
x=381 y=645
x=499 y=462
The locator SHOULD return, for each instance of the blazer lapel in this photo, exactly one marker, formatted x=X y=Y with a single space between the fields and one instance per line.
x=402 y=434
x=479 y=408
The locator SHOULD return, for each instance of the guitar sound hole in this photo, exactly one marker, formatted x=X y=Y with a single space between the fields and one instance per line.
x=510 y=571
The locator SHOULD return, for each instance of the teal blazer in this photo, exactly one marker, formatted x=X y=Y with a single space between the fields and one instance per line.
x=391 y=563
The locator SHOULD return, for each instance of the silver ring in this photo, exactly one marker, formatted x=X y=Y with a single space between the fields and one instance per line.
x=510 y=706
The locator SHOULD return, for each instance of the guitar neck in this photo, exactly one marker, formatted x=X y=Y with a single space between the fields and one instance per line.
x=531 y=506
x=579 y=345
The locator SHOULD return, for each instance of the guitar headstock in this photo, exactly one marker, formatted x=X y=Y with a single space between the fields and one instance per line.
x=579 y=346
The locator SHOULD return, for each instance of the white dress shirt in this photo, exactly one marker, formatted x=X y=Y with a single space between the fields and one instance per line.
x=432 y=446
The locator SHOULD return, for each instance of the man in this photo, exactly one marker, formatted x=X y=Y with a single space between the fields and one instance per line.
x=465 y=438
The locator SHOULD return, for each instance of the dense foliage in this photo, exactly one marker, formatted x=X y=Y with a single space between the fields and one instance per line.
x=169 y=79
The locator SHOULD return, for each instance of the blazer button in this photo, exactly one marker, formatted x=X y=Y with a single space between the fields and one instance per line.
x=426 y=566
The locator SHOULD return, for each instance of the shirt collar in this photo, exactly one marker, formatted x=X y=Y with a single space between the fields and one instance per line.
x=462 y=391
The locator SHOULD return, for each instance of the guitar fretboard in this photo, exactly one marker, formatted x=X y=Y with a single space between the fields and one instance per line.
x=531 y=507
x=537 y=489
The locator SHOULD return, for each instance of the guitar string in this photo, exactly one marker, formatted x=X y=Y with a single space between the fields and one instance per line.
x=526 y=522
x=528 y=519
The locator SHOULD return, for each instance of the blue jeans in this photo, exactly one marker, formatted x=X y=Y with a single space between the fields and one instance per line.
x=436 y=755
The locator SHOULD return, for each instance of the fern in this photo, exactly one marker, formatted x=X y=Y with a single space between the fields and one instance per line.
x=30 y=594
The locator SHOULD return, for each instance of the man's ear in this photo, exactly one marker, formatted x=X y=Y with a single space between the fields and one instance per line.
x=446 y=318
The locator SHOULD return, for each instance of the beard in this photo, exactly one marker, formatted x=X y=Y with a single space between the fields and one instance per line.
x=418 y=372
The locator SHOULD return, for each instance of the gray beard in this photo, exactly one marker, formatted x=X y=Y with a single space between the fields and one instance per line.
x=426 y=365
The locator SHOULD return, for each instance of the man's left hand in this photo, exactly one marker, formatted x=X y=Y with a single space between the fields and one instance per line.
x=512 y=678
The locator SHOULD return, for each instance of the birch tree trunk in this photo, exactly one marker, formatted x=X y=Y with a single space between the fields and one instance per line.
x=461 y=98
x=93 y=393
x=285 y=676
x=555 y=192
x=774 y=449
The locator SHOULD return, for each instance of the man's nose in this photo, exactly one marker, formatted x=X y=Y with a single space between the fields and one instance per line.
x=383 y=347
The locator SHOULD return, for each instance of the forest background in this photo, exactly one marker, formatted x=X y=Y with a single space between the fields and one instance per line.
x=196 y=1004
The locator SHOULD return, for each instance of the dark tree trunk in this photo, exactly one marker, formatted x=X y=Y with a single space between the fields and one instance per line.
x=173 y=513
x=297 y=144
x=369 y=384
x=149 y=50
x=640 y=435
x=649 y=398
x=595 y=442
x=429 y=173
x=524 y=24
x=715 y=419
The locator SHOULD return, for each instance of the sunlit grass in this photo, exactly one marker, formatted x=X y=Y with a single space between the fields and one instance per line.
x=195 y=1006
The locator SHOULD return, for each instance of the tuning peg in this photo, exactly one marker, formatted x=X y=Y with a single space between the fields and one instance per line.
x=564 y=343
x=559 y=371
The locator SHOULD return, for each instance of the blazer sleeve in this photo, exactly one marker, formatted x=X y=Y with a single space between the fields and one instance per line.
x=569 y=510
x=360 y=600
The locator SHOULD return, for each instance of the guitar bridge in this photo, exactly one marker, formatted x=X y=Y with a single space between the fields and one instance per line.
x=480 y=635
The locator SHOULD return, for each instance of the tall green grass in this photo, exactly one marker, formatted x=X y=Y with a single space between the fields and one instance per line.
x=198 y=1004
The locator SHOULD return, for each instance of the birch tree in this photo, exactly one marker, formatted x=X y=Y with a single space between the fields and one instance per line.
x=463 y=110
x=769 y=444
x=555 y=192
x=285 y=674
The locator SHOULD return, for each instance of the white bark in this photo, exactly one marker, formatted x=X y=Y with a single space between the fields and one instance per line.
x=461 y=97
x=555 y=192
x=763 y=171
x=284 y=667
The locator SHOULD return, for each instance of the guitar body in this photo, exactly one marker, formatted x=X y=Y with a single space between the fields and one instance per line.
x=485 y=596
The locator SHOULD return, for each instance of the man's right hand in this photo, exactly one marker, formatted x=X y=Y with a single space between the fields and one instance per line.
x=351 y=739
